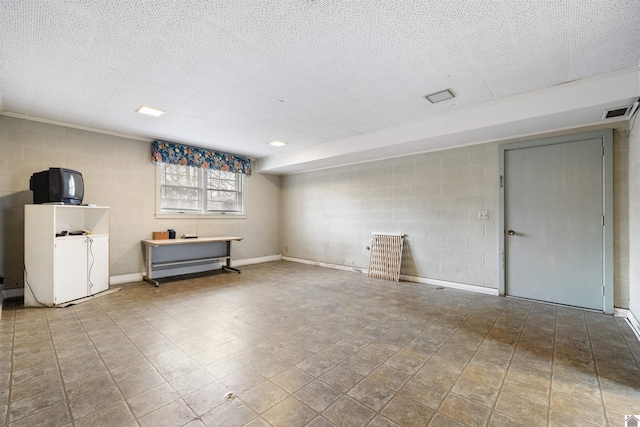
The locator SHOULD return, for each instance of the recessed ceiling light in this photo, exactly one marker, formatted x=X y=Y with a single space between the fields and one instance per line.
x=278 y=143
x=150 y=111
x=443 y=95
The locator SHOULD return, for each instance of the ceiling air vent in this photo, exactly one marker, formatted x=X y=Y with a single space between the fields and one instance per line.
x=616 y=112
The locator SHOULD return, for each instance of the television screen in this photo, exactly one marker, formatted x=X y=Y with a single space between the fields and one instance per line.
x=57 y=185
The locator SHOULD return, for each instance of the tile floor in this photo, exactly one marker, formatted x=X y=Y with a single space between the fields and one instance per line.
x=298 y=345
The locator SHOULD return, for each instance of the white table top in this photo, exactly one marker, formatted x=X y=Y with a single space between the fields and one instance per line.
x=169 y=242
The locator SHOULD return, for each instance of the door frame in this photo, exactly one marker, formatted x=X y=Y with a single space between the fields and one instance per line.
x=606 y=136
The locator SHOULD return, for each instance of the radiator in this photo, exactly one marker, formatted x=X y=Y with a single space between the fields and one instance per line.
x=386 y=255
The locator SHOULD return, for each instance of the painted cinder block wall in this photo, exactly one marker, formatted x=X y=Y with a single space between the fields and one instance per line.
x=118 y=173
x=434 y=198
x=634 y=220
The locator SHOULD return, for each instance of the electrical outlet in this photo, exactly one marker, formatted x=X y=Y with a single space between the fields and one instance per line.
x=483 y=214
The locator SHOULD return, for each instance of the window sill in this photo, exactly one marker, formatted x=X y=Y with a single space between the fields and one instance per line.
x=198 y=216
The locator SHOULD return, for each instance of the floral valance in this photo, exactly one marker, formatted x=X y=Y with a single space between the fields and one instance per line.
x=178 y=154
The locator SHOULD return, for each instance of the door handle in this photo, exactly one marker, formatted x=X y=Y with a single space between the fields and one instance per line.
x=511 y=232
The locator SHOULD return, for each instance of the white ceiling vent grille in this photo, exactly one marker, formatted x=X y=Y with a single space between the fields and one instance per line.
x=616 y=112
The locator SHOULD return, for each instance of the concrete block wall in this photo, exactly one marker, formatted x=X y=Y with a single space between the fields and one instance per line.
x=433 y=198
x=118 y=173
x=634 y=220
x=621 y=200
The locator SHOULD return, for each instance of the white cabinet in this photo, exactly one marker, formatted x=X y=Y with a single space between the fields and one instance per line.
x=65 y=268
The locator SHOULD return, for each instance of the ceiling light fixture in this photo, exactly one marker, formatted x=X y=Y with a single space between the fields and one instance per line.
x=150 y=111
x=278 y=143
x=443 y=95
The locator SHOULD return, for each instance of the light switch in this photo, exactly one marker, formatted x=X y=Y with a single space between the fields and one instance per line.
x=483 y=214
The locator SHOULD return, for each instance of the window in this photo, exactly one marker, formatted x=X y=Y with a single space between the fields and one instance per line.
x=186 y=190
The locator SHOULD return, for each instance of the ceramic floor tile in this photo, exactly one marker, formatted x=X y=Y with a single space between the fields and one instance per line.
x=320 y=422
x=229 y=414
x=57 y=415
x=451 y=357
x=92 y=393
x=115 y=414
x=187 y=384
x=475 y=391
x=577 y=408
x=141 y=382
x=207 y=398
x=289 y=412
x=317 y=395
x=346 y=412
x=464 y=411
x=389 y=377
x=316 y=365
x=176 y=413
x=521 y=409
x=263 y=396
x=152 y=399
x=242 y=380
x=371 y=394
x=292 y=379
x=440 y=420
x=425 y=394
x=33 y=404
x=406 y=412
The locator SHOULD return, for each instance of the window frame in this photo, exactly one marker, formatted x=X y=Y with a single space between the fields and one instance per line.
x=202 y=189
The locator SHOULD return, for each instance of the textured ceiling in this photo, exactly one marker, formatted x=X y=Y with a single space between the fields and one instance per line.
x=237 y=74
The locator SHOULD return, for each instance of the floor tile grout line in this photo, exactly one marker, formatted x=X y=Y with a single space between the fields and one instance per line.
x=436 y=411
x=13 y=343
x=513 y=353
x=115 y=382
x=593 y=355
x=553 y=359
x=64 y=389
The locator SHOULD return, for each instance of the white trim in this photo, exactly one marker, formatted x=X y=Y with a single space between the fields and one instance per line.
x=433 y=282
x=258 y=260
x=635 y=325
x=200 y=216
x=453 y=285
x=202 y=213
x=620 y=312
x=126 y=278
x=139 y=277
x=326 y=264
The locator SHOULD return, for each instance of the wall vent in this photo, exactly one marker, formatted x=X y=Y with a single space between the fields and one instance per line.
x=616 y=112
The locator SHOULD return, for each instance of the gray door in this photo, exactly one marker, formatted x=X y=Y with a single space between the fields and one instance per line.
x=554 y=208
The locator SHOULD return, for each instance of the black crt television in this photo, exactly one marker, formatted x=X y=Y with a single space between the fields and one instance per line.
x=57 y=185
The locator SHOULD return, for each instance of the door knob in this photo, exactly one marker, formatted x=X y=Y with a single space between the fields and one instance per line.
x=511 y=232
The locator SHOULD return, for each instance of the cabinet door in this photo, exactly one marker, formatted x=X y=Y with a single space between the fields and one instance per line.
x=70 y=270
x=98 y=263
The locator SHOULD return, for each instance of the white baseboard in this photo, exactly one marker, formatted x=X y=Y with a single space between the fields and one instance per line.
x=259 y=260
x=326 y=264
x=126 y=278
x=138 y=277
x=635 y=325
x=453 y=285
x=620 y=312
x=433 y=282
